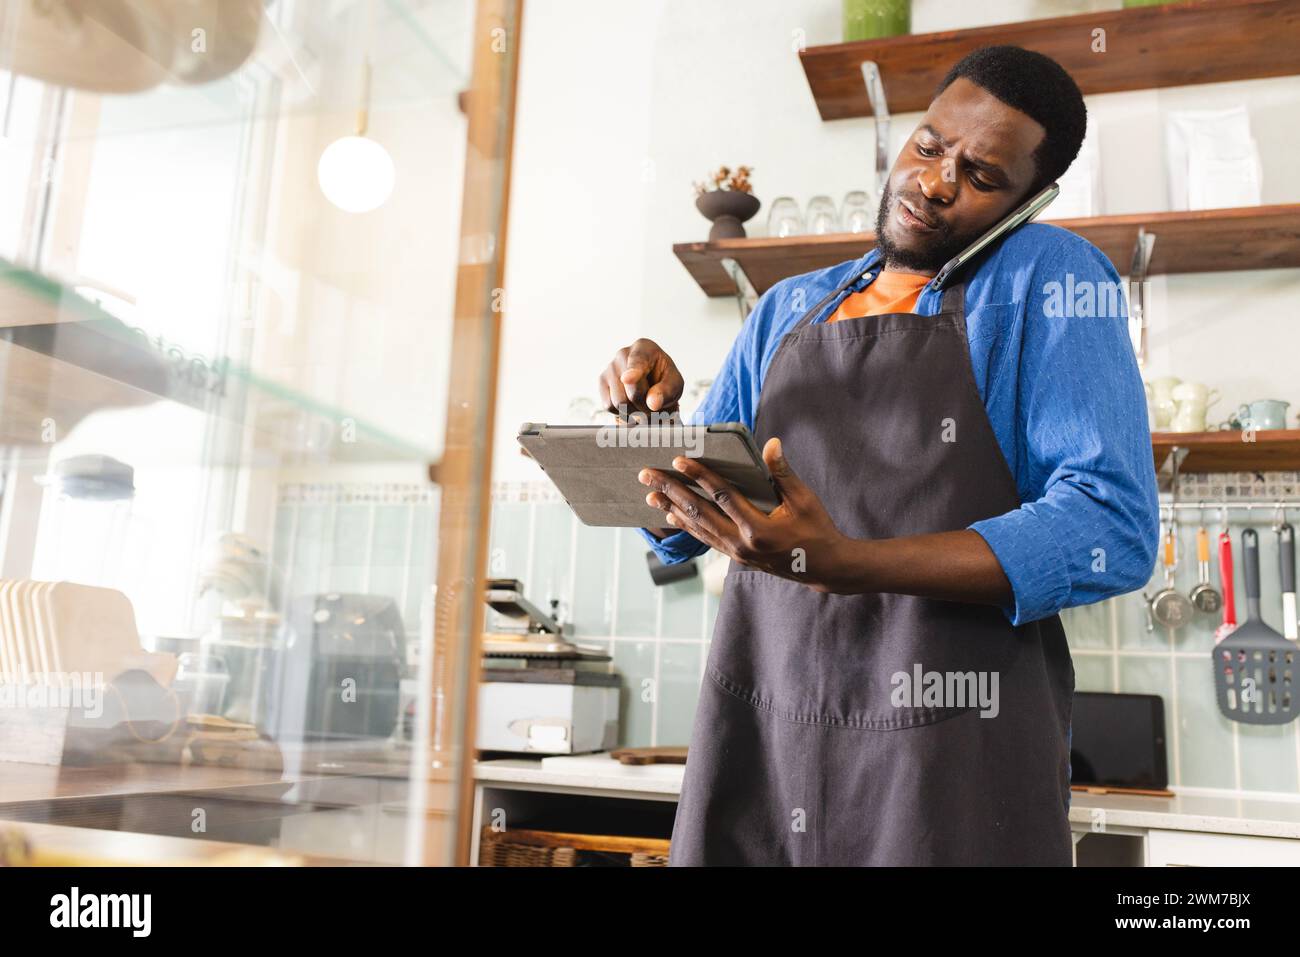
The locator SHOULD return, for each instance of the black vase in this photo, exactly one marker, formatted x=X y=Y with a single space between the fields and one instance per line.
x=727 y=209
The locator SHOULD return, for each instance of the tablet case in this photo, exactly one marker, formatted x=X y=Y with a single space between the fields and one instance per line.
x=595 y=467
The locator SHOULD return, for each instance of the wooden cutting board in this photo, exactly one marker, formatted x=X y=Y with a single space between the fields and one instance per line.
x=674 y=754
x=94 y=629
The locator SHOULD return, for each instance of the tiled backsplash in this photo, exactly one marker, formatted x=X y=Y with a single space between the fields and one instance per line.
x=659 y=638
x=657 y=635
x=1114 y=651
x=373 y=538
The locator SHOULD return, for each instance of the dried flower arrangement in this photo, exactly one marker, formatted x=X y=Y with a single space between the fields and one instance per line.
x=726 y=179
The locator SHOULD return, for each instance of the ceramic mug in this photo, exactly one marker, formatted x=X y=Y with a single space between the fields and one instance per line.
x=1192 y=401
x=1162 y=400
x=1196 y=393
x=1190 y=417
x=1260 y=415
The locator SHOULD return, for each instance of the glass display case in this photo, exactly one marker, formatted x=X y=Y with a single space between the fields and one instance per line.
x=248 y=255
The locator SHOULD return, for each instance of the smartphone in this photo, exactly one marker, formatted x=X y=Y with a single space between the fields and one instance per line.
x=1023 y=214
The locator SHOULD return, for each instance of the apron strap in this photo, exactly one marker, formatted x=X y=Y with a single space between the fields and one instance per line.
x=815 y=310
x=954 y=299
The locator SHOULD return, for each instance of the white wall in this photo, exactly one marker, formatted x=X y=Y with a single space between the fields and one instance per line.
x=623 y=106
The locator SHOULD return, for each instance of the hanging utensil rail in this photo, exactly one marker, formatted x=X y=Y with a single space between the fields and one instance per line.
x=1211 y=506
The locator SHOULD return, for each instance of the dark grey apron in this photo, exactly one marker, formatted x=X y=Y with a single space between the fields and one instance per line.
x=803 y=751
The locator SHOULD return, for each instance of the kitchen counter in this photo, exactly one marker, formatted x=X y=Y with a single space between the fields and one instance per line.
x=600 y=774
x=586 y=772
x=335 y=800
x=54 y=845
x=1245 y=816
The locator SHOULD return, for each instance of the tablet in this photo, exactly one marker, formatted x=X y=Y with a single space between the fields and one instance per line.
x=595 y=467
x=1118 y=740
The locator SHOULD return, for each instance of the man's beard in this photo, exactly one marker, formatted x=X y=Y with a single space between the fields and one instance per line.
x=943 y=244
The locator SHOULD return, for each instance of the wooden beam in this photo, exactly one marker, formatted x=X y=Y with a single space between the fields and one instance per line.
x=465 y=469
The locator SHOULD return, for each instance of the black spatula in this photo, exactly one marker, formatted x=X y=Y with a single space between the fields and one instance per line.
x=1254 y=665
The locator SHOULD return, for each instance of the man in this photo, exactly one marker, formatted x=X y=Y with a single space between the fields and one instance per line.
x=889 y=682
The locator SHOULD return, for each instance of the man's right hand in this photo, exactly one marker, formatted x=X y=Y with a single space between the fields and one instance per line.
x=641 y=378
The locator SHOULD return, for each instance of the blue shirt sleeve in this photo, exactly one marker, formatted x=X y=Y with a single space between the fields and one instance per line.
x=1093 y=531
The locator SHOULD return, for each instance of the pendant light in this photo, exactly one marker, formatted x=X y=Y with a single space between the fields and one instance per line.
x=355 y=172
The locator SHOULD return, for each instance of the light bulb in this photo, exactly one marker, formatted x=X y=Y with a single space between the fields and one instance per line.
x=356 y=174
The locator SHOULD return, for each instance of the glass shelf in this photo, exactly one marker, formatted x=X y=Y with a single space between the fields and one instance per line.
x=64 y=358
x=221 y=394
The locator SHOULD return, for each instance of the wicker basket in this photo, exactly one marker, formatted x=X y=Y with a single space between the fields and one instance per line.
x=502 y=852
x=531 y=848
x=642 y=859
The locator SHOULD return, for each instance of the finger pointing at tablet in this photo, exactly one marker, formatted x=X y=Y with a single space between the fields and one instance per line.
x=642 y=377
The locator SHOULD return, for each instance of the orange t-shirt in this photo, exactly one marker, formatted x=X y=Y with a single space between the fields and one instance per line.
x=888 y=292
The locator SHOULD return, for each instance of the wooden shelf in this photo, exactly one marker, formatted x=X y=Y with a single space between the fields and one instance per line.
x=1272 y=451
x=1206 y=240
x=1176 y=44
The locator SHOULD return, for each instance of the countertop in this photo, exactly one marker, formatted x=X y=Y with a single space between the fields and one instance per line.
x=1213 y=814
x=1216 y=814
x=593 y=772
x=55 y=845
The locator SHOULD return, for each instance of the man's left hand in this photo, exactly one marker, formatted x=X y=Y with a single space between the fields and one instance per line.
x=798 y=540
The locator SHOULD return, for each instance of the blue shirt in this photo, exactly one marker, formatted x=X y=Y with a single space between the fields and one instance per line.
x=1049 y=344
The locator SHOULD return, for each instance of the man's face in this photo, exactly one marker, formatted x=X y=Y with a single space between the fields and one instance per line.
x=968 y=164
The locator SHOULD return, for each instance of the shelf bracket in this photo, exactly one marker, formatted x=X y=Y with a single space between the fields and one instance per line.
x=1137 y=299
x=1167 y=477
x=746 y=294
x=880 y=113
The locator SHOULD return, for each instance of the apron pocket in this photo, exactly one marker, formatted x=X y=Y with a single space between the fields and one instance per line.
x=859 y=661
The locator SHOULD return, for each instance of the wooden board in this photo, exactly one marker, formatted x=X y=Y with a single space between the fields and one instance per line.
x=54 y=845
x=1175 y=44
x=664 y=754
x=1205 y=240
x=1107 y=789
x=606 y=843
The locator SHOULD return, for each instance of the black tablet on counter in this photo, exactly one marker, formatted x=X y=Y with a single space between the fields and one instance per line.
x=1118 y=741
x=595 y=467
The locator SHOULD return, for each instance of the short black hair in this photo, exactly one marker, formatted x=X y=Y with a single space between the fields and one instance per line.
x=1039 y=87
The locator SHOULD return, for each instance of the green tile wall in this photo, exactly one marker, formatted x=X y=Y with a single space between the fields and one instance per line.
x=602 y=582
x=1114 y=651
x=659 y=636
